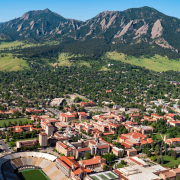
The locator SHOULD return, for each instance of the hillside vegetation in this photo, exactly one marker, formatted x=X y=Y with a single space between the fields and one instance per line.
x=156 y=63
x=8 y=62
x=66 y=59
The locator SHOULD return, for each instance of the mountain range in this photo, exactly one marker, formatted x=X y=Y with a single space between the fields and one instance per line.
x=135 y=31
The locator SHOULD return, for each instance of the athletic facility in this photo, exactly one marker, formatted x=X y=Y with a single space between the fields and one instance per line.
x=30 y=165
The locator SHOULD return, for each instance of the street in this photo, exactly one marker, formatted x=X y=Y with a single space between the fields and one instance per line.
x=4 y=147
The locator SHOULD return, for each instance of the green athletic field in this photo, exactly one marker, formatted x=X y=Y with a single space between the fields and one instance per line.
x=32 y=174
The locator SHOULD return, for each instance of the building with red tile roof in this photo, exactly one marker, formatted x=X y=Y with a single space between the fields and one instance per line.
x=155 y=116
x=34 y=111
x=174 y=123
x=82 y=115
x=170 y=116
x=96 y=161
x=170 y=174
x=173 y=141
x=70 y=116
x=26 y=143
x=29 y=127
x=71 y=168
x=66 y=149
x=86 y=104
x=134 y=139
x=108 y=91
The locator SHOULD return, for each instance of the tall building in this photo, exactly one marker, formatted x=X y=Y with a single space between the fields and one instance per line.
x=43 y=139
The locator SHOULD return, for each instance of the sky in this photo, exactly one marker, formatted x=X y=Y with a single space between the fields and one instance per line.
x=83 y=9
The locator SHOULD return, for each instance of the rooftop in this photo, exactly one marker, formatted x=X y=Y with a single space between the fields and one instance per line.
x=137 y=172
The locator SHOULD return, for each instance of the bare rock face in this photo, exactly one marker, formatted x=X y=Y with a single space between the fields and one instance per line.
x=32 y=23
x=103 y=24
x=25 y=16
x=124 y=30
x=19 y=27
x=157 y=29
x=141 y=30
x=163 y=43
x=112 y=20
x=90 y=32
x=37 y=32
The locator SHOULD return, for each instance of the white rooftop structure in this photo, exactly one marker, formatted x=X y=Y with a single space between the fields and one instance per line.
x=118 y=149
x=140 y=161
x=138 y=172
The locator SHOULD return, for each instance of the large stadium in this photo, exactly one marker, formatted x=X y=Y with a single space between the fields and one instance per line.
x=30 y=165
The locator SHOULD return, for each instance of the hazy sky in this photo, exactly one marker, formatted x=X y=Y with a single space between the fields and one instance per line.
x=82 y=9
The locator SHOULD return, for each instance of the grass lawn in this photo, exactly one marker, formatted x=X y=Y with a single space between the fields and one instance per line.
x=103 y=177
x=15 y=44
x=95 y=178
x=169 y=161
x=63 y=60
x=111 y=175
x=10 y=63
x=104 y=68
x=12 y=120
x=158 y=136
x=156 y=63
x=32 y=174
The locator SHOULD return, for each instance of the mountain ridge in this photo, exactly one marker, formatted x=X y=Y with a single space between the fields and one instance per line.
x=134 y=28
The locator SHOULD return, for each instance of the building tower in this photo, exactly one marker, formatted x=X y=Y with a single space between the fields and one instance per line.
x=43 y=139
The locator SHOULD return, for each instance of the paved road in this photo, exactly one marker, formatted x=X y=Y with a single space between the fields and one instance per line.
x=4 y=147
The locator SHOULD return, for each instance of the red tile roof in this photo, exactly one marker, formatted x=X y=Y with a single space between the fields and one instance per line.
x=84 y=149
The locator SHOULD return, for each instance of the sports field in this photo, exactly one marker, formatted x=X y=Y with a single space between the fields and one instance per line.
x=32 y=174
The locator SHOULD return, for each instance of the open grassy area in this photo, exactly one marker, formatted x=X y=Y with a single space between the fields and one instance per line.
x=10 y=63
x=104 y=68
x=84 y=63
x=158 y=136
x=16 y=44
x=156 y=63
x=12 y=121
x=169 y=161
x=32 y=174
x=63 y=60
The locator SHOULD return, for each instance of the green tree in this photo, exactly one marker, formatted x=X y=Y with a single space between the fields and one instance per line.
x=9 y=123
x=20 y=123
x=177 y=177
x=11 y=144
x=4 y=125
x=7 y=138
x=159 y=160
x=88 y=155
x=105 y=167
x=162 y=160
x=24 y=135
x=157 y=150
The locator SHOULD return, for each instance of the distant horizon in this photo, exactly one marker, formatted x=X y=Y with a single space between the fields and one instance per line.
x=81 y=9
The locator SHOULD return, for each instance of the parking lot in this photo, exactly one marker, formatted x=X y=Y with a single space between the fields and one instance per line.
x=55 y=112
